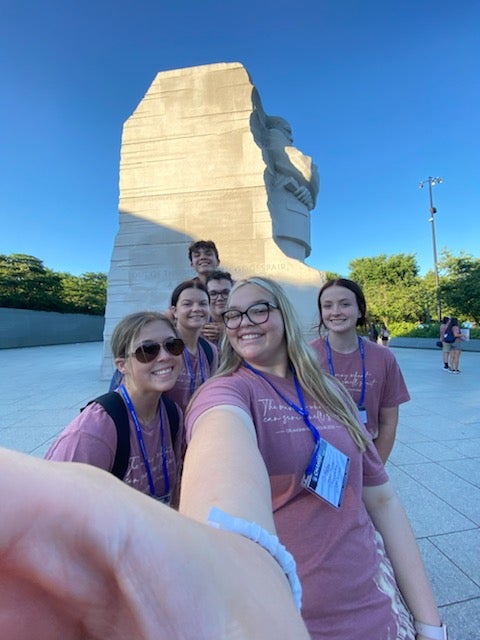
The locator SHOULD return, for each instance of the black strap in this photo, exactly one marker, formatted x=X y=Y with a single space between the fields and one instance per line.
x=207 y=348
x=172 y=413
x=115 y=407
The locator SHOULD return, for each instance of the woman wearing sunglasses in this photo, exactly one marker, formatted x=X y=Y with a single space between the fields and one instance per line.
x=148 y=353
x=271 y=413
x=190 y=306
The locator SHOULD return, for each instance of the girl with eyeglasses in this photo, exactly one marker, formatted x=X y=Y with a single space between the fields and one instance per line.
x=272 y=425
x=190 y=307
x=148 y=353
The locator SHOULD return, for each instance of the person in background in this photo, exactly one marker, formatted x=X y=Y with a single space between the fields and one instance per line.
x=384 y=334
x=148 y=354
x=456 y=345
x=190 y=306
x=219 y=284
x=203 y=256
x=446 y=347
x=372 y=332
x=270 y=410
x=370 y=373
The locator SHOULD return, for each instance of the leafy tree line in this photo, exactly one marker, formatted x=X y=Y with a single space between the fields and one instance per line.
x=397 y=294
x=25 y=283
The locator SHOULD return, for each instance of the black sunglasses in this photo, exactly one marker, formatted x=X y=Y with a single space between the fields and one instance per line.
x=148 y=351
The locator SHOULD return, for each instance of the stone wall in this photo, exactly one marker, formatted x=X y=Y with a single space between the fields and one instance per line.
x=26 y=328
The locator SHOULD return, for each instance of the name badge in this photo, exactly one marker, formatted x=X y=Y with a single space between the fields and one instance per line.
x=363 y=414
x=329 y=475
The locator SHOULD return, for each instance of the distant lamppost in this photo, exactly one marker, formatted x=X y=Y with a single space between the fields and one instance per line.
x=431 y=182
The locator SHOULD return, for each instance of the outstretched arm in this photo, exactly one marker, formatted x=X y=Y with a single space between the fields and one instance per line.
x=84 y=556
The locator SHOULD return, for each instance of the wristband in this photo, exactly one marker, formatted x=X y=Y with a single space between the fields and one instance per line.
x=431 y=631
x=253 y=531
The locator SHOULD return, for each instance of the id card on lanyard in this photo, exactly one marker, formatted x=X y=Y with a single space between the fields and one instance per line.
x=326 y=475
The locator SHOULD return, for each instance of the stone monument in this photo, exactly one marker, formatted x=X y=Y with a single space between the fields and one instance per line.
x=200 y=159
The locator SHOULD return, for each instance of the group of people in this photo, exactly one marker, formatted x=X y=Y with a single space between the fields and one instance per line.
x=284 y=439
x=384 y=333
x=451 y=339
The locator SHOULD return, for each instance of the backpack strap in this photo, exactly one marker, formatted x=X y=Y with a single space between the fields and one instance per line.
x=115 y=407
x=173 y=418
x=207 y=348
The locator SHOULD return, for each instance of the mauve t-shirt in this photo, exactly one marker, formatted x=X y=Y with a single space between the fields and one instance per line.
x=349 y=591
x=92 y=438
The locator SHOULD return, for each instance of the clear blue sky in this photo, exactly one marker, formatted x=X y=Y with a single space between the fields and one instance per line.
x=381 y=94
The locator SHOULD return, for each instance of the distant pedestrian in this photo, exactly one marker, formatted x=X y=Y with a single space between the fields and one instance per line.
x=384 y=334
x=456 y=345
x=373 y=332
x=446 y=346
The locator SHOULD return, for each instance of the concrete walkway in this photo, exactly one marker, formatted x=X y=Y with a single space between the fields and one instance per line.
x=435 y=464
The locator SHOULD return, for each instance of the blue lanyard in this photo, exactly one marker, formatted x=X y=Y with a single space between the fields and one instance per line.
x=141 y=442
x=364 y=373
x=188 y=360
x=302 y=410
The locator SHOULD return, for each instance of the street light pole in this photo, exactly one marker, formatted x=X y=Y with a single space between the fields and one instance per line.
x=431 y=182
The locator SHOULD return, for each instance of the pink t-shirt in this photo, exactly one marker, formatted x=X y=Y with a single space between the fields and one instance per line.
x=349 y=591
x=195 y=370
x=385 y=386
x=92 y=438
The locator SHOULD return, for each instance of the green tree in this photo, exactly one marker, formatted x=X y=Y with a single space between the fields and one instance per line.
x=332 y=275
x=460 y=285
x=84 y=294
x=392 y=287
x=25 y=283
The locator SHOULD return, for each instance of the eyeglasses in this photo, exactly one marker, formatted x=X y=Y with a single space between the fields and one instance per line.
x=217 y=294
x=257 y=313
x=148 y=351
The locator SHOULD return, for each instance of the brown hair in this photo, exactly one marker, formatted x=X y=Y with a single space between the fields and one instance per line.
x=187 y=284
x=202 y=244
x=354 y=288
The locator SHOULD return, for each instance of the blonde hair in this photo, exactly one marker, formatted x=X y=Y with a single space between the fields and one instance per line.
x=327 y=392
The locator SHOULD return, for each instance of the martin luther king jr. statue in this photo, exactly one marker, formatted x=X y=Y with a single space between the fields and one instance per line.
x=200 y=159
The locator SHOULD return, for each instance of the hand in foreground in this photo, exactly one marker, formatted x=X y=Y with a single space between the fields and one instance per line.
x=83 y=557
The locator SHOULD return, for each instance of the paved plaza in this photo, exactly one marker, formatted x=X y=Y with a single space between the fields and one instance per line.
x=435 y=464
